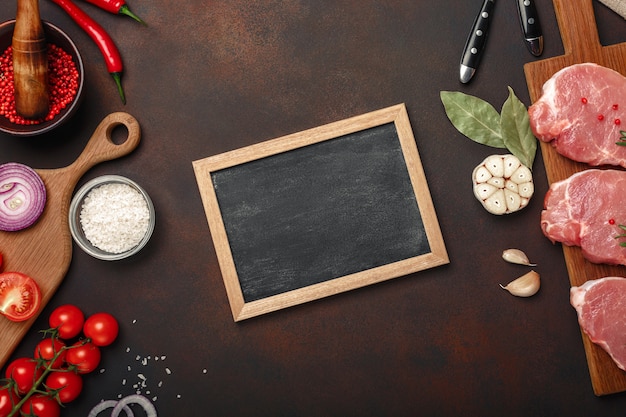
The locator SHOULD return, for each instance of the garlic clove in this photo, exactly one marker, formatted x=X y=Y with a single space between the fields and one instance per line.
x=524 y=286
x=495 y=165
x=511 y=163
x=526 y=190
x=516 y=256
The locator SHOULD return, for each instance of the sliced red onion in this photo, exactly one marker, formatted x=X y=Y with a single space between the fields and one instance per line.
x=22 y=196
x=103 y=405
x=144 y=402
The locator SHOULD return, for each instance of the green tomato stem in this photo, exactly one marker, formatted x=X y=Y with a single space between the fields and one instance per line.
x=35 y=388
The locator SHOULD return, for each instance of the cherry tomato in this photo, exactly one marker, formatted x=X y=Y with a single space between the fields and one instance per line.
x=84 y=355
x=101 y=328
x=7 y=400
x=47 y=349
x=24 y=372
x=69 y=384
x=68 y=320
x=41 y=406
x=20 y=296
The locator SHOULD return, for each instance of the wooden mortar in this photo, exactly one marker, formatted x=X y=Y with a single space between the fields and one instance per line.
x=30 y=62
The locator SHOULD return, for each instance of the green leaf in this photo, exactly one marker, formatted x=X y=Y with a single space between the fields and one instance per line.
x=473 y=117
x=516 y=133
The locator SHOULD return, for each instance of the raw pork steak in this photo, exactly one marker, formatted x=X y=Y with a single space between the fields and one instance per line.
x=601 y=308
x=581 y=111
x=585 y=210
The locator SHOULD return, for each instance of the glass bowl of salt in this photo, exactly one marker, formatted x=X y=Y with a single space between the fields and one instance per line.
x=111 y=217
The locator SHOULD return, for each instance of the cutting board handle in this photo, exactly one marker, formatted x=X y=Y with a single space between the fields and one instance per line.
x=101 y=146
x=577 y=24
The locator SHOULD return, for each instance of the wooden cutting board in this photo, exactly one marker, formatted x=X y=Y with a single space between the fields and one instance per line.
x=44 y=250
x=581 y=44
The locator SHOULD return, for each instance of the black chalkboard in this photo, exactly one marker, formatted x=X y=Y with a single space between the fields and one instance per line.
x=320 y=212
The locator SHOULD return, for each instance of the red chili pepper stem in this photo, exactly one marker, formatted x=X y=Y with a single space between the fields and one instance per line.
x=102 y=39
x=125 y=10
x=117 y=77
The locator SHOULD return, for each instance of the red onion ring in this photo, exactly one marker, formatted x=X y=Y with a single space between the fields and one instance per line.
x=22 y=196
x=103 y=405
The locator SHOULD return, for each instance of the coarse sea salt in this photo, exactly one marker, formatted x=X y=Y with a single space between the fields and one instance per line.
x=114 y=217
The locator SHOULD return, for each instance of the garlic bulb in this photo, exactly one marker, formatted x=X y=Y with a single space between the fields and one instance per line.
x=503 y=184
x=516 y=256
x=524 y=286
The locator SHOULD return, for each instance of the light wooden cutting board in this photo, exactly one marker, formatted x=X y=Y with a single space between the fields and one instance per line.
x=581 y=44
x=44 y=250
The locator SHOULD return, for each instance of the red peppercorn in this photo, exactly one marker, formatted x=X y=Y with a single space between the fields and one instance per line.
x=615 y=106
x=62 y=84
x=618 y=122
x=600 y=117
x=611 y=221
x=584 y=100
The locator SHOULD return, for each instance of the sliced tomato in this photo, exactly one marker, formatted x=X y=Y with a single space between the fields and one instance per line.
x=20 y=296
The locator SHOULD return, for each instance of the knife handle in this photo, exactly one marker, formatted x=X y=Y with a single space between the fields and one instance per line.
x=478 y=36
x=529 y=19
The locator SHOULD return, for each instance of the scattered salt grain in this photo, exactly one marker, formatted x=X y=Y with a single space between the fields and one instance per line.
x=168 y=371
x=114 y=217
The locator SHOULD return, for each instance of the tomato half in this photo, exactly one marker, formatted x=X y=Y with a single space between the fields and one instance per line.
x=68 y=320
x=69 y=385
x=50 y=348
x=41 y=406
x=101 y=328
x=20 y=296
x=7 y=400
x=84 y=355
x=24 y=372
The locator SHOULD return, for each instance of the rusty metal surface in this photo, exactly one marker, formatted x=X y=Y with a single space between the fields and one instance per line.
x=208 y=77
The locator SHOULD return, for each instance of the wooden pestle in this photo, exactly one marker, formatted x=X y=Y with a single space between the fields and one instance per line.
x=30 y=62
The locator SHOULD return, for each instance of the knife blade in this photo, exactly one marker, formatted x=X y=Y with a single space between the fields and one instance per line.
x=529 y=18
x=475 y=44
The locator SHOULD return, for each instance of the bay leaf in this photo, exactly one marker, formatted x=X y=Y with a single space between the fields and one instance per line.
x=515 y=129
x=473 y=117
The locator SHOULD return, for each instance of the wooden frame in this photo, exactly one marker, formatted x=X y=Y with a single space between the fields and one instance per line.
x=206 y=168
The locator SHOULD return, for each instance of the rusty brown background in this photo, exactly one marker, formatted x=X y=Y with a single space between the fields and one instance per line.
x=205 y=77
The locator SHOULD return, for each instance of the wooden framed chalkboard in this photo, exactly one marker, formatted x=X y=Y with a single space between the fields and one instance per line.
x=320 y=212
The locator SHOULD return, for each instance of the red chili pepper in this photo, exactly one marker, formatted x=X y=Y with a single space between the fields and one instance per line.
x=102 y=39
x=115 y=7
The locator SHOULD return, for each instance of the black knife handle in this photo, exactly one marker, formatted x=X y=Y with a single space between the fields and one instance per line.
x=529 y=19
x=478 y=36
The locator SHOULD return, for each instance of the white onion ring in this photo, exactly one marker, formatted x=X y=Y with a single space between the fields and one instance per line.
x=134 y=399
x=22 y=196
x=103 y=405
